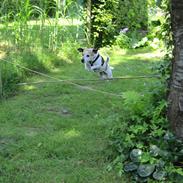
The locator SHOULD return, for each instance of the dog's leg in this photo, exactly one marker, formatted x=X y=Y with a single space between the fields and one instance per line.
x=102 y=75
x=87 y=67
x=109 y=73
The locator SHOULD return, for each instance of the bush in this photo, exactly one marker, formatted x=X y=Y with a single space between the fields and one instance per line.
x=132 y=14
x=142 y=147
x=133 y=39
x=37 y=45
x=13 y=74
x=159 y=24
x=145 y=149
x=110 y=16
x=14 y=7
x=123 y=41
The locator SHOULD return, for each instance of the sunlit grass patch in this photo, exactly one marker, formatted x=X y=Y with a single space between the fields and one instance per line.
x=29 y=87
x=49 y=22
x=71 y=134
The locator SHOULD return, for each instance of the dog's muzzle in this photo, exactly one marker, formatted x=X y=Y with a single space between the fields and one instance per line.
x=82 y=60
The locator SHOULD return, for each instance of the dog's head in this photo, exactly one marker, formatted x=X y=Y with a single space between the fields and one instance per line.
x=88 y=54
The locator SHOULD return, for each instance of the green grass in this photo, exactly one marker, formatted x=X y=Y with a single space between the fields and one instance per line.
x=55 y=132
x=36 y=46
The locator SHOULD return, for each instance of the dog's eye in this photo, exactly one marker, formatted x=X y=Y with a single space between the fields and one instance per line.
x=87 y=55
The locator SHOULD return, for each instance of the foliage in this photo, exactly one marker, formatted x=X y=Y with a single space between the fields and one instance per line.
x=159 y=24
x=147 y=149
x=160 y=34
x=132 y=14
x=13 y=7
x=142 y=146
x=144 y=140
x=12 y=74
x=36 y=44
x=110 y=16
x=123 y=41
x=50 y=7
x=103 y=27
x=130 y=40
x=36 y=59
x=156 y=32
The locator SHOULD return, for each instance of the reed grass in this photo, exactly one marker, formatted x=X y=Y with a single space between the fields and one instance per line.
x=35 y=35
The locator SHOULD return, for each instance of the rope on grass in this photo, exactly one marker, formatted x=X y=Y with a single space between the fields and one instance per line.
x=72 y=81
x=60 y=80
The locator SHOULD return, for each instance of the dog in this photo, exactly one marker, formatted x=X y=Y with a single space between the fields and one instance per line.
x=94 y=62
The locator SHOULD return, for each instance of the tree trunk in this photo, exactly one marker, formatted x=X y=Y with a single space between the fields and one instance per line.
x=175 y=99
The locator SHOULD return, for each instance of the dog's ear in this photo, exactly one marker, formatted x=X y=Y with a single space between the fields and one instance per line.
x=95 y=50
x=80 y=49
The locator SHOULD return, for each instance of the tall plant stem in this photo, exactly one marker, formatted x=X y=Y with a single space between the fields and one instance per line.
x=89 y=21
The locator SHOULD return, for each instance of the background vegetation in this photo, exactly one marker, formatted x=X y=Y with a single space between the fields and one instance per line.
x=110 y=17
x=38 y=35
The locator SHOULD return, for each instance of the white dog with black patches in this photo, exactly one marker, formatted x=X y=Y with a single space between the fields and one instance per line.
x=95 y=62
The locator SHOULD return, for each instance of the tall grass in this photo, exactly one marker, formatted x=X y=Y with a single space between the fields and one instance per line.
x=34 y=35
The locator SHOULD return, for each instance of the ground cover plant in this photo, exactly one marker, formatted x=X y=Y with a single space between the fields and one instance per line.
x=146 y=151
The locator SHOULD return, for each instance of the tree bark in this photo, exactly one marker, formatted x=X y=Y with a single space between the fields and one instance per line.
x=175 y=98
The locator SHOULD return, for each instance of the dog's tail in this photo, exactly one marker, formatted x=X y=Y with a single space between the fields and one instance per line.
x=107 y=61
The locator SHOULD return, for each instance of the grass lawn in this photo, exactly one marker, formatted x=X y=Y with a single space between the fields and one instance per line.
x=57 y=133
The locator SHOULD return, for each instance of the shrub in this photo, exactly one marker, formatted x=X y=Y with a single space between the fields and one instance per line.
x=133 y=39
x=11 y=75
x=39 y=44
x=123 y=41
x=142 y=147
x=132 y=14
x=36 y=60
x=110 y=16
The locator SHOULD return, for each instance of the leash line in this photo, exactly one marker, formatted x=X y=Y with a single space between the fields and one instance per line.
x=60 y=80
